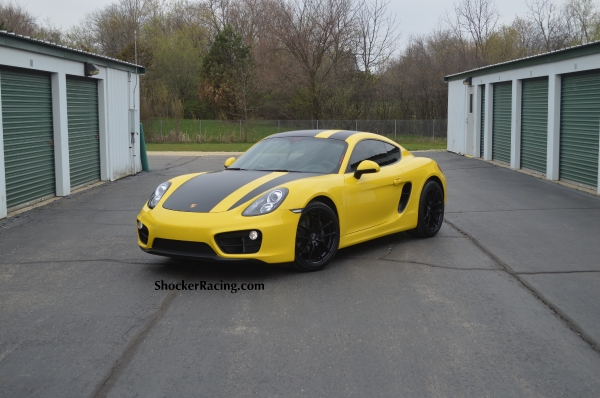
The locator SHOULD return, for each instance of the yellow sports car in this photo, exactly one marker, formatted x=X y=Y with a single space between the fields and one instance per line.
x=296 y=197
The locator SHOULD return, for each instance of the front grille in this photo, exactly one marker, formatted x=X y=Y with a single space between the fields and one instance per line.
x=181 y=247
x=238 y=242
x=143 y=234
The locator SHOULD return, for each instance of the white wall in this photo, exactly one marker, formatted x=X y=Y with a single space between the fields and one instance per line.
x=117 y=95
x=457 y=112
x=120 y=95
x=457 y=115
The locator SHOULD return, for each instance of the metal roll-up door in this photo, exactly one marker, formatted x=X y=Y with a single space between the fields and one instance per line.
x=28 y=135
x=501 y=121
x=579 y=126
x=534 y=124
x=84 y=144
x=481 y=140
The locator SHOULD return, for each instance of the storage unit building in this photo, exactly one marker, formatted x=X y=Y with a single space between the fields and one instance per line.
x=540 y=113
x=67 y=118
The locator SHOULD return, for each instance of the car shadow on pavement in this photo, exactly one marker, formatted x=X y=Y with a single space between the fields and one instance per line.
x=242 y=271
x=251 y=270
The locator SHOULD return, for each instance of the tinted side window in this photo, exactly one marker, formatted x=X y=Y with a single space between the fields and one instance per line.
x=368 y=150
x=393 y=154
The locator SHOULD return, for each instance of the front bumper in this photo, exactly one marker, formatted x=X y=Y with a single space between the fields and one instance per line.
x=278 y=231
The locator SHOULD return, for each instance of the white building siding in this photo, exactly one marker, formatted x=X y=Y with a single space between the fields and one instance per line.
x=120 y=100
x=457 y=115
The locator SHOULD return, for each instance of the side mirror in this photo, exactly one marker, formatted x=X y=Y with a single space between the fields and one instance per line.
x=366 y=167
x=229 y=162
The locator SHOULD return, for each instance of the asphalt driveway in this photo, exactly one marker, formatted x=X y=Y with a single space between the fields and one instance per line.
x=503 y=302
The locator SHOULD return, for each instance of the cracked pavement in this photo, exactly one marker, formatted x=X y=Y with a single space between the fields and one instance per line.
x=503 y=302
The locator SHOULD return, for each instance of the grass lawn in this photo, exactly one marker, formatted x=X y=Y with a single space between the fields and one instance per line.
x=216 y=147
x=410 y=143
x=217 y=130
x=423 y=146
x=188 y=131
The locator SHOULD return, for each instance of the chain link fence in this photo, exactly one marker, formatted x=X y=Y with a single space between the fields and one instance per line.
x=226 y=131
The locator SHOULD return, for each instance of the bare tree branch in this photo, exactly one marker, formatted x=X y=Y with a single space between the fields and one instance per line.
x=377 y=34
x=477 y=19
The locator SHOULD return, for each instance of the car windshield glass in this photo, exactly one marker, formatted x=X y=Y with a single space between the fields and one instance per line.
x=302 y=154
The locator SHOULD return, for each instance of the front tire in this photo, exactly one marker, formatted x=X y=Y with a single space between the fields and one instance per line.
x=431 y=210
x=317 y=237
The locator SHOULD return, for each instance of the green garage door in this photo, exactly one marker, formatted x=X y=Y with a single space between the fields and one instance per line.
x=84 y=145
x=28 y=138
x=501 y=121
x=579 y=126
x=481 y=141
x=534 y=124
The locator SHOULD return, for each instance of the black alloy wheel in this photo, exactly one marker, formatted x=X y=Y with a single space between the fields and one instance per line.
x=431 y=210
x=317 y=237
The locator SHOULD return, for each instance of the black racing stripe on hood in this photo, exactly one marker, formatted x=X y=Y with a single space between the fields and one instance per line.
x=299 y=133
x=272 y=184
x=342 y=135
x=208 y=190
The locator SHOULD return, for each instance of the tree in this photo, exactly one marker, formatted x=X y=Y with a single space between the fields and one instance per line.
x=504 y=45
x=476 y=19
x=248 y=18
x=315 y=33
x=584 y=18
x=550 y=24
x=226 y=78
x=377 y=35
x=14 y=18
x=171 y=45
x=526 y=35
x=50 y=33
x=111 y=29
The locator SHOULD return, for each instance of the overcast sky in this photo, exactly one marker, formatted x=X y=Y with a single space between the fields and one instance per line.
x=415 y=16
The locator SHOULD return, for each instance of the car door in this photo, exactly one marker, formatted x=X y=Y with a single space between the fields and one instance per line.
x=373 y=199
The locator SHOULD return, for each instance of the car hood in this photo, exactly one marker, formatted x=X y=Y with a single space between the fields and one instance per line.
x=226 y=189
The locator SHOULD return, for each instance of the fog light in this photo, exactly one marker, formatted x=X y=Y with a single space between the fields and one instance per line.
x=140 y=225
x=253 y=235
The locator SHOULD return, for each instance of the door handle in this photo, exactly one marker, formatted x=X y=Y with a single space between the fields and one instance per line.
x=397 y=180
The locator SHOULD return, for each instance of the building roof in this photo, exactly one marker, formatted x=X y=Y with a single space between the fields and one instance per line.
x=533 y=60
x=26 y=43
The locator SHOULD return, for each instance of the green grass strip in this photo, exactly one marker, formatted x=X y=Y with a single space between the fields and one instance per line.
x=216 y=147
x=412 y=144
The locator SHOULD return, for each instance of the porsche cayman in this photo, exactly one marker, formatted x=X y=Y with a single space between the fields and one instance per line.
x=296 y=197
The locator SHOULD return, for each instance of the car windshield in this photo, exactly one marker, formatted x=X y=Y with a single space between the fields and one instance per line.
x=301 y=154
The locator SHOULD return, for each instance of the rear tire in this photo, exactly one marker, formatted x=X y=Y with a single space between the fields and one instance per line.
x=317 y=237
x=431 y=211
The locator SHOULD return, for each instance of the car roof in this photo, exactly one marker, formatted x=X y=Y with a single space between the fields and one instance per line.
x=342 y=135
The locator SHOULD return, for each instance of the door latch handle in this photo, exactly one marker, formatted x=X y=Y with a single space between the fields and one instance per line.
x=397 y=181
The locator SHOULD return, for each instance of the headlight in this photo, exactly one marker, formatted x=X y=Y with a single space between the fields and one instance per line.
x=267 y=202
x=158 y=194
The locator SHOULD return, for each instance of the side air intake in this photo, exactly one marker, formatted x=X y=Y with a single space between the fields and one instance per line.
x=404 y=197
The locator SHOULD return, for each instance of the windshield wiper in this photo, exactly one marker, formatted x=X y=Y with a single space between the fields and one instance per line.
x=280 y=170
